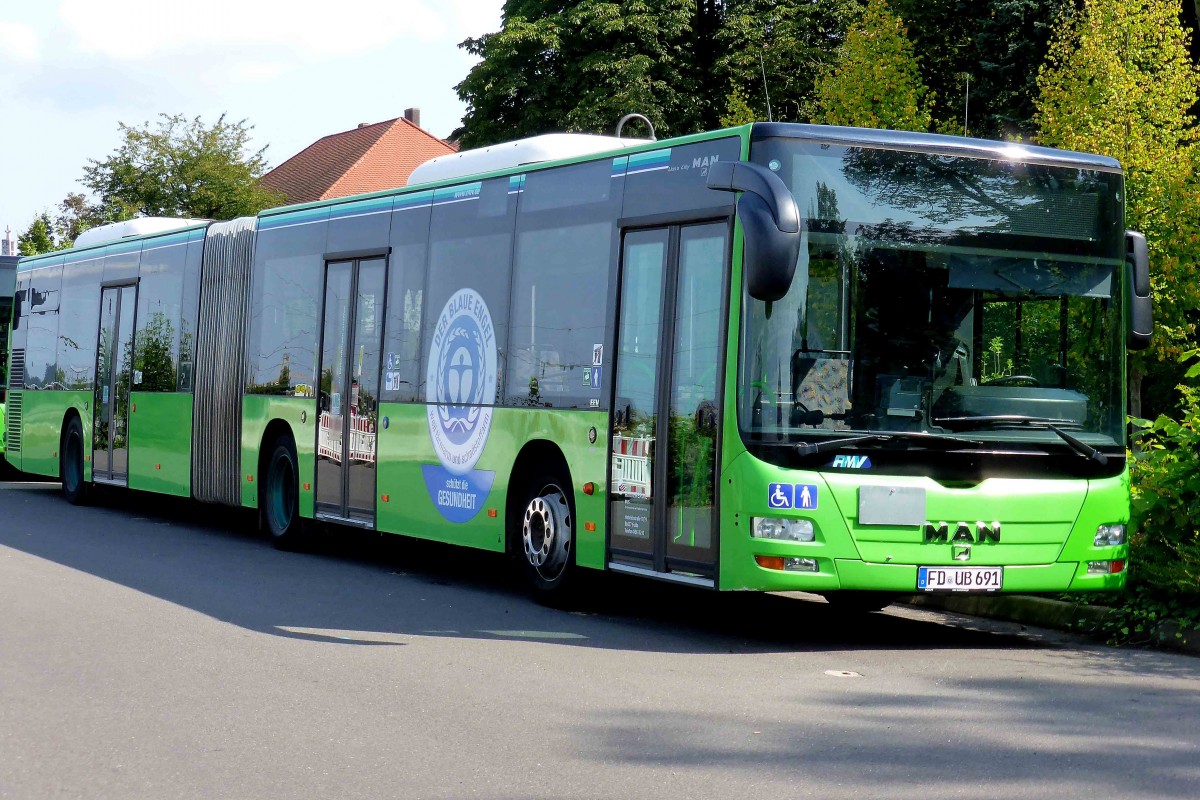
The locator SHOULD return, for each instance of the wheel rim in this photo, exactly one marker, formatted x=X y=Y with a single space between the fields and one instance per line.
x=281 y=487
x=546 y=532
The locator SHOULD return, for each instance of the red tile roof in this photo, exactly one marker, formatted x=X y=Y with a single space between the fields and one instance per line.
x=369 y=158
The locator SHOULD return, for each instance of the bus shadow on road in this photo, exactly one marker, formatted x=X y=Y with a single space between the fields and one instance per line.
x=370 y=589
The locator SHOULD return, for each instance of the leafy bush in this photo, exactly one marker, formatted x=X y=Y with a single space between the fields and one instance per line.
x=1165 y=546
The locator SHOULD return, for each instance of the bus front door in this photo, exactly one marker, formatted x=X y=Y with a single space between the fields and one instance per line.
x=348 y=412
x=666 y=411
x=114 y=379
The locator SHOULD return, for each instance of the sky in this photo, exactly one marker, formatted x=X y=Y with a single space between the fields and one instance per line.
x=297 y=70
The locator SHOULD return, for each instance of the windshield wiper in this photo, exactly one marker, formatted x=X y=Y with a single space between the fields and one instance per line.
x=1042 y=423
x=920 y=439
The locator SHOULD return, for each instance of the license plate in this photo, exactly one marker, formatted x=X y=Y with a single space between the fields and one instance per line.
x=959 y=579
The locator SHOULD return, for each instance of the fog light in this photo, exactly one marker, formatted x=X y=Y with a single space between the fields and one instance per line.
x=800 y=564
x=786 y=530
x=1110 y=535
x=1106 y=567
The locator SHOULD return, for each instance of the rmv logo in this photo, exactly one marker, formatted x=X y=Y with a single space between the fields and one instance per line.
x=851 y=462
x=984 y=532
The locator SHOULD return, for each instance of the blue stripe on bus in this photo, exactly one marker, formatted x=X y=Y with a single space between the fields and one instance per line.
x=289 y=218
x=376 y=205
x=407 y=202
x=645 y=162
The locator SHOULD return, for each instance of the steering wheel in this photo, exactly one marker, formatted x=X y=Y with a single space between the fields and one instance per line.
x=1013 y=380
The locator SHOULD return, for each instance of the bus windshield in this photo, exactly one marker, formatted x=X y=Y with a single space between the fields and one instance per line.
x=941 y=296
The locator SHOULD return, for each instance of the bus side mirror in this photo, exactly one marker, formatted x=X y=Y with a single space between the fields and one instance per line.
x=770 y=226
x=1141 y=313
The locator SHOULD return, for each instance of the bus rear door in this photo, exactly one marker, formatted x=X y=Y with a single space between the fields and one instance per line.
x=114 y=380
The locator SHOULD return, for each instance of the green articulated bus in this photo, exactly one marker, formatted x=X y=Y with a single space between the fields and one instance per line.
x=776 y=357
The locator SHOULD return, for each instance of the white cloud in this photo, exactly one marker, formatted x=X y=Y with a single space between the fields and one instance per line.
x=256 y=71
x=138 y=29
x=18 y=42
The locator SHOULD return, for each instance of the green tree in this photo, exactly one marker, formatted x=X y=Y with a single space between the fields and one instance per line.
x=737 y=109
x=776 y=48
x=1119 y=81
x=1007 y=40
x=875 y=81
x=581 y=66
x=182 y=167
x=76 y=214
x=38 y=237
x=980 y=59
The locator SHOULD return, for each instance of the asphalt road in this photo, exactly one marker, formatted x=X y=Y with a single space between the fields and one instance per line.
x=161 y=649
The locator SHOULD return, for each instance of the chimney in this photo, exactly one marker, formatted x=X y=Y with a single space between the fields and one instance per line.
x=413 y=115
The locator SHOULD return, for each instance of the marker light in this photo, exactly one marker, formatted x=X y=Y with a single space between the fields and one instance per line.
x=1110 y=535
x=786 y=530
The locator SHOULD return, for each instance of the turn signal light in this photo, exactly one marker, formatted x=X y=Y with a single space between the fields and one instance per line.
x=1106 y=567
x=770 y=562
x=589 y=488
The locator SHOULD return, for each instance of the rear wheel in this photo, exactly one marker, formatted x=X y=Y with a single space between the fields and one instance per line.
x=546 y=537
x=70 y=464
x=860 y=602
x=280 y=501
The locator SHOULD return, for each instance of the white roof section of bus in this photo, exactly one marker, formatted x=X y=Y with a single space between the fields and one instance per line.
x=141 y=226
x=547 y=147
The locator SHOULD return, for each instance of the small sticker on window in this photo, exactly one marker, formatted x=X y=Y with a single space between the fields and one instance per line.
x=587 y=376
x=597 y=355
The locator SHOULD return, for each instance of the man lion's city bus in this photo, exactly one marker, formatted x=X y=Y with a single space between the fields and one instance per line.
x=777 y=357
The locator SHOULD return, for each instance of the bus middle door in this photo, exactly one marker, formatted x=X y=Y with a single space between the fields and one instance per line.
x=348 y=400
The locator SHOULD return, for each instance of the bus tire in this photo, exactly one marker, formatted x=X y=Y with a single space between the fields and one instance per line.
x=854 y=601
x=280 y=500
x=545 y=538
x=70 y=464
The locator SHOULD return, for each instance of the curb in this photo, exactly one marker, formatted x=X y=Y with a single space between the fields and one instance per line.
x=1057 y=614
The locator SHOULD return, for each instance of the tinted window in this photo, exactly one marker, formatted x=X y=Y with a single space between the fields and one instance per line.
x=42 y=312
x=189 y=310
x=471 y=249
x=289 y=262
x=566 y=238
x=160 y=297
x=406 y=299
x=78 y=320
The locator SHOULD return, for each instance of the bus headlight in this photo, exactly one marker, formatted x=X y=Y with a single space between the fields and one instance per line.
x=1110 y=535
x=784 y=530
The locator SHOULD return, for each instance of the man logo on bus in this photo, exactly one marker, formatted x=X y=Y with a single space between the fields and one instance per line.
x=461 y=373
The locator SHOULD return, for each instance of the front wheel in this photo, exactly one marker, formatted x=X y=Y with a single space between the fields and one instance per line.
x=70 y=464
x=547 y=538
x=280 y=500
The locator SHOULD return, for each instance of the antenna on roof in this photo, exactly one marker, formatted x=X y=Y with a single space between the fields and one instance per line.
x=643 y=118
x=763 y=66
